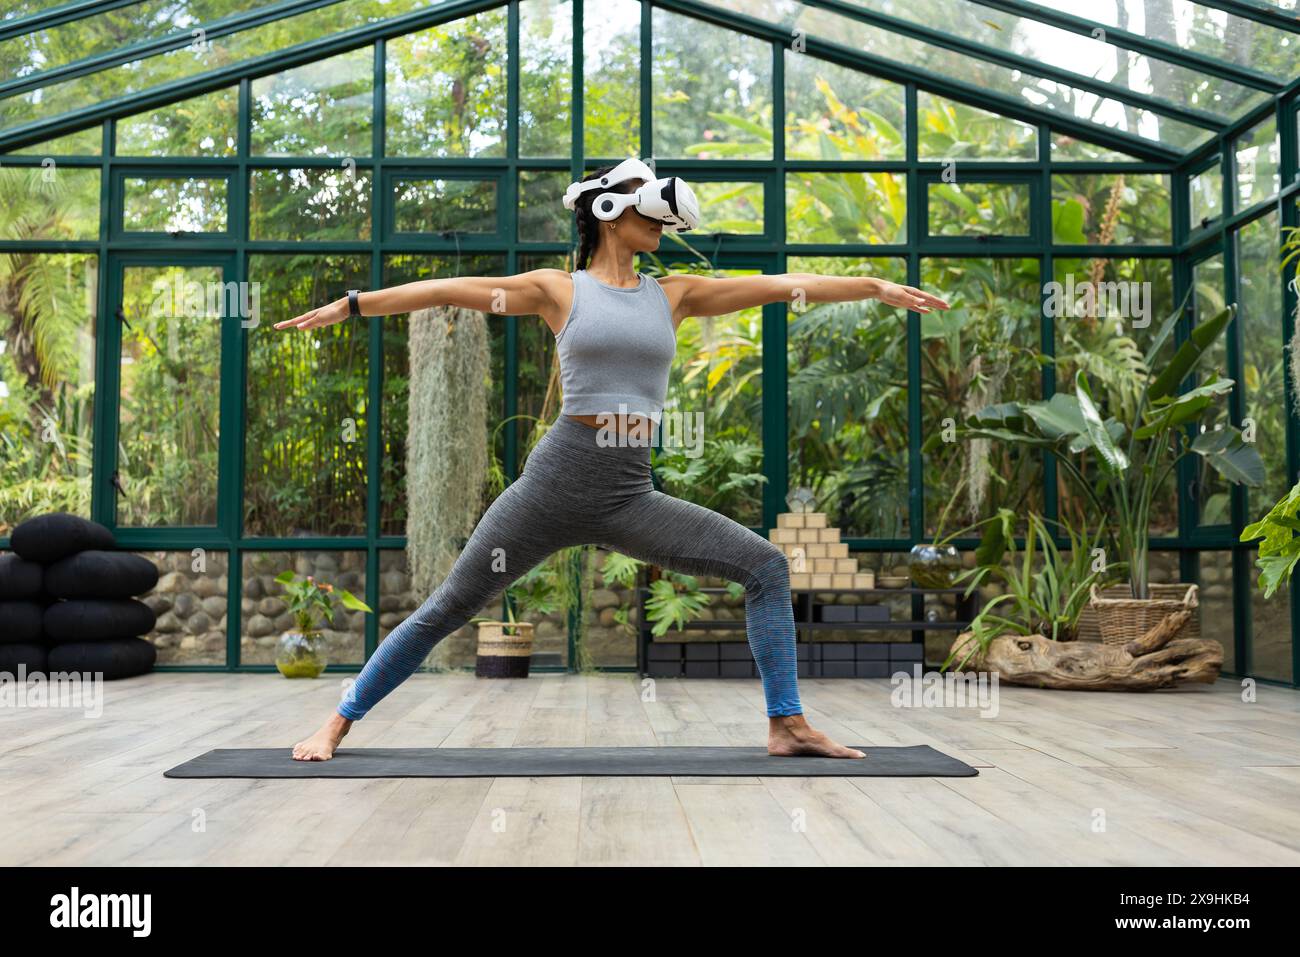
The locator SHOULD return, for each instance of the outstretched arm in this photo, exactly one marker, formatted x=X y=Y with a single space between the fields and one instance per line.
x=524 y=294
x=706 y=296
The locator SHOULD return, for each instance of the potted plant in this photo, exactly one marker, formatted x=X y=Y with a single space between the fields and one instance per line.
x=1133 y=453
x=300 y=652
x=1022 y=634
x=505 y=648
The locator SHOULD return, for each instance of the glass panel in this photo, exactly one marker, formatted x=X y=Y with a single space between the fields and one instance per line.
x=611 y=79
x=979 y=209
x=1270 y=652
x=724 y=112
x=716 y=387
x=979 y=353
x=200 y=126
x=1259 y=310
x=174 y=204
x=394 y=416
x=319 y=109
x=730 y=207
x=171 y=346
x=1258 y=158
x=197 y=59
x=610 y=616
x=545 y=77
x=542 y=219
x=87 y=142
x=1211 y=490
x=1067 y=148
x=343 y=632
x=834 y=113
x=1209 y=32
x=1016 y=84
x=1207 y=195
x=1215 y=596
x=846 y=207
x=847 y=405
x=100 y=33
x=305 y=430
x=309 y=204
x=446 y=89
x=1105 y=312
x=190 y=601
x=48 y=305
x=947 y=130
x=1111 y=209
x=466 y=206
x=1090 y=58
x=49 y=202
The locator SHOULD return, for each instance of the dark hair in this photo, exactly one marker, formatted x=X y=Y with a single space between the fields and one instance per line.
x=588 y=224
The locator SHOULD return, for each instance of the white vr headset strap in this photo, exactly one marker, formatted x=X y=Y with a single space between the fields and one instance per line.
x=630 y=168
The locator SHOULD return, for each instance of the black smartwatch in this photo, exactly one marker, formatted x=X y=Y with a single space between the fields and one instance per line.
x=354 y=308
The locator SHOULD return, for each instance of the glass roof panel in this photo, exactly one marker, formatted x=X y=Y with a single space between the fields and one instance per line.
x=26 y=8
x=1034 y=92
x=104 y=32
x=1089 y=57
x=1198 y=29
x=190 y=61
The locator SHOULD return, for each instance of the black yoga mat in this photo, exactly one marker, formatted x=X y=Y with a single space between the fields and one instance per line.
x=915 y=761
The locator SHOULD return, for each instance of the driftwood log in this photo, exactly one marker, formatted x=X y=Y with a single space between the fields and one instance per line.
x=1156 y=660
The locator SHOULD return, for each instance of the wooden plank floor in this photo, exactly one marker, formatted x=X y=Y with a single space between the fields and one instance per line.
x=1190 y=777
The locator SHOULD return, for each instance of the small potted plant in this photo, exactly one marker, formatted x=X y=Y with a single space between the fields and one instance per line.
x=505 y=648
x=300 y=653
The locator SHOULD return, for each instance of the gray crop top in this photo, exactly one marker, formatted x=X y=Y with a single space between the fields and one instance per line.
x=616 y=348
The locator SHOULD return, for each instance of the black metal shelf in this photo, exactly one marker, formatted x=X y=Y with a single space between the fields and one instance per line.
x=817 y=659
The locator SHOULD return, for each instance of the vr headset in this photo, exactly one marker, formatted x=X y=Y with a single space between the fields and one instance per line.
x=668 y=200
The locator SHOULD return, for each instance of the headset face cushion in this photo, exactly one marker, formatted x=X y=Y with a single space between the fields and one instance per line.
x=97 y=619
x=21 y=623
x=19 y=578
x=122 y=658
x=47 y=538
x=96 y=574
x=33 y=657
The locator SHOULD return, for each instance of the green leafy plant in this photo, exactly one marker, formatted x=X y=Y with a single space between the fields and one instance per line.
x=1134 y=454
x=307 y=597
x=1045 y=590
x=1279 y=550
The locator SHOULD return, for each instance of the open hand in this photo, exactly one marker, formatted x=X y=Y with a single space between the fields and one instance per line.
x=909 y=297
x=328 y=315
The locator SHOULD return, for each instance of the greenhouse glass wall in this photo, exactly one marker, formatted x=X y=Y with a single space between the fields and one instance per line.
x=177 y=175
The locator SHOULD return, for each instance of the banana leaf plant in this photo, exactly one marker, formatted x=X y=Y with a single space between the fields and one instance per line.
x=1136 y=455
x=1280 y=549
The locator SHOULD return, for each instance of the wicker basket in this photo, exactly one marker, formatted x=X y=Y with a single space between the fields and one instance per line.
x=1120 y=617
x=504 y=649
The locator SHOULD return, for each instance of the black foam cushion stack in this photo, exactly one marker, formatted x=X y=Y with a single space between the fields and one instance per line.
x=115 y=659
x=33 y=657
x=21 y=622
x=19 y=578
x=47 y=538
x=100 y=574
x=97 y=619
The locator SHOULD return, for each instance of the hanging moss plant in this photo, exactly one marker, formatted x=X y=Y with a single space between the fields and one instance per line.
x=447 y=448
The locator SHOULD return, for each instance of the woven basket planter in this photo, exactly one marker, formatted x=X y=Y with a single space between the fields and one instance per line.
x=1120 y=617
x=504 y=649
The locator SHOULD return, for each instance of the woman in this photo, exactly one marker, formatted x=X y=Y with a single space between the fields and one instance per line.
x=587 y=481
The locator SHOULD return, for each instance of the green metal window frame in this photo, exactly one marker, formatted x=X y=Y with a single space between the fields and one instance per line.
x=768 y=251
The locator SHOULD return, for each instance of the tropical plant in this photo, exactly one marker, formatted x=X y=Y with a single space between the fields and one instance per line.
x=1045 y=591
x=1133 y=455
x=1280 y=549
x=306 y=597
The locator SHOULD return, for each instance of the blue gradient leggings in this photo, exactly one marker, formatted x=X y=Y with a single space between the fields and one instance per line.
x=574 y=491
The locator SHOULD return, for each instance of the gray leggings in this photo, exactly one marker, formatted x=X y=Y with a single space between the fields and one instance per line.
x=573 y=491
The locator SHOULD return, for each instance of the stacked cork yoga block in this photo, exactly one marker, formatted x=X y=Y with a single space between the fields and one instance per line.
x=818 y=559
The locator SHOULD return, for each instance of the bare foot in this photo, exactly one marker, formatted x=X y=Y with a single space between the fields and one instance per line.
x=321 y=745
x=792 y=736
